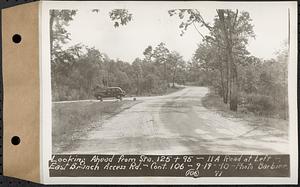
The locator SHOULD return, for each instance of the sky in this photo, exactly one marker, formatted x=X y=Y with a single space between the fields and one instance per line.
x=150 y=26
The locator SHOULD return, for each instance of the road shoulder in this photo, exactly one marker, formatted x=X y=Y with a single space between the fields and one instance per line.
x=213 y=102
x=74 y=120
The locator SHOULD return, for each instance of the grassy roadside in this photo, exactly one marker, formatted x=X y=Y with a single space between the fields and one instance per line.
x=213 y=102
x=73 y=120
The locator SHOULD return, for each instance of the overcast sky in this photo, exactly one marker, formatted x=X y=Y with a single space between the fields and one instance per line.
x=152 y=26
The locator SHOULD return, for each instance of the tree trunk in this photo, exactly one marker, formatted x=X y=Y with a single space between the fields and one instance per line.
x=234 y=91
x=233 y=83
x=232 y=70
x=227 y=81
x=221 y=75
x=222 y=85
x=165 y=72
x=173 y=79
x=228 y=62
x=107 y=83
x=137 y=85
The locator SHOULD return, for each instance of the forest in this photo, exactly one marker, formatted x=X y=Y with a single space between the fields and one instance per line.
x=221 y=62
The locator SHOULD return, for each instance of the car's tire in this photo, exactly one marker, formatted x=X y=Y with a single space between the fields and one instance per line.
x=119 y=97
x=99 y=98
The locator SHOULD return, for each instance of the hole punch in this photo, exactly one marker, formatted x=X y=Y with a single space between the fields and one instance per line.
x=17 y=38
x=15 y=140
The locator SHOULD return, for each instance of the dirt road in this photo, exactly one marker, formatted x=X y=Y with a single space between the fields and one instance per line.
x=179 y=124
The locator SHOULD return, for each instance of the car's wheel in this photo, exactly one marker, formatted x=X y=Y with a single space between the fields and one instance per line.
x=100 y=98
x=119 y=97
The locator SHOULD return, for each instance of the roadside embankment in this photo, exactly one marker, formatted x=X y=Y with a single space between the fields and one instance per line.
x=213 y=102
x=73 y=120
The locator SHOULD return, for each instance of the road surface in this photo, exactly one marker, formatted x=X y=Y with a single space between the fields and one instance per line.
x=179 y=124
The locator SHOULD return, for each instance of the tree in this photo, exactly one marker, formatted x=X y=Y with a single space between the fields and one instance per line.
x=160 y=55
x=148 y=53
x=138 y=72
x=229 y=35
x=59 y=19
x=120 y=17
x=210 y=58
x=77 y=69
x=176 y=61
x=236 y=30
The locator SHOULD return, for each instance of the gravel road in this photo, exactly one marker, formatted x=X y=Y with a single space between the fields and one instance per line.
x=179 y=124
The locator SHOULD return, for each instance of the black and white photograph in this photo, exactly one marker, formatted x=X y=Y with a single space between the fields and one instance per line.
x=183 y=81
x=171 y=80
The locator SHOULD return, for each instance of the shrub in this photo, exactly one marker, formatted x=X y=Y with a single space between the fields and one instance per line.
x=259 y=104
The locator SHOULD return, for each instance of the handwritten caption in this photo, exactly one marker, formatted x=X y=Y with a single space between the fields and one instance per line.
x=170 y=165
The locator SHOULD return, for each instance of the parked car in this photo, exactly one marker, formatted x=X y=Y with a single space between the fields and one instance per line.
x=116 y=92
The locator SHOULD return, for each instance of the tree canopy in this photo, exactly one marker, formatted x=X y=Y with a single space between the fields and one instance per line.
x=221 y=61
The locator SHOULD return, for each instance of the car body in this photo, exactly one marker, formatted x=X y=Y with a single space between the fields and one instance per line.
x=116 y=92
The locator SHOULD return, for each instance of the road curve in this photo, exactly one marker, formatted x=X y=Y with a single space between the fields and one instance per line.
x=179 y=124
